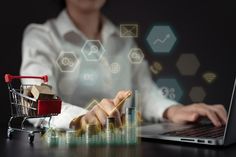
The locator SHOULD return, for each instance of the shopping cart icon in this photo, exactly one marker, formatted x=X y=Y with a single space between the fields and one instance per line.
x=26 y=107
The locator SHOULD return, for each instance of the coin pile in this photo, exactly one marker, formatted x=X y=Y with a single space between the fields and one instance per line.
x=110 y=127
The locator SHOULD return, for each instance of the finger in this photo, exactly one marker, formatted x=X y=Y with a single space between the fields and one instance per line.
x=120 y=98
x=107 y=106
x=101 y=115
x=117 y=115
x=221 y=112
x=91 y=118
x=210 y=114
x=83 y=123
x=109 y=109
x=118 y=120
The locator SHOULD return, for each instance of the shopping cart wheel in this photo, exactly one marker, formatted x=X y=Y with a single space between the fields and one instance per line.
x=9 y=134
x=43 y=132
x=31 y=138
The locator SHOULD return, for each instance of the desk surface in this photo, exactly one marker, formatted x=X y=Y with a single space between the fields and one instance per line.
x=20 y=147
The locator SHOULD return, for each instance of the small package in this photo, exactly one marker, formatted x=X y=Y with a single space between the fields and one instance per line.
x=27 y=104
x=42 y=92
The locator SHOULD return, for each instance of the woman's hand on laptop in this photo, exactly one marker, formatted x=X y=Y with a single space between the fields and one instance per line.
x=192 y=113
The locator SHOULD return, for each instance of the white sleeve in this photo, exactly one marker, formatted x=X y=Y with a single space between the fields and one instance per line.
x=153 y=103
x=68 y=113
x=62 y=120
x=38 y=57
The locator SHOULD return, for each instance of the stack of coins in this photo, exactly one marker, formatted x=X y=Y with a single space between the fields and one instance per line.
x=110 y=127
x=52 y=138
x=91 y=131
x=130 y=125
x=130 y=117
x=71 y=137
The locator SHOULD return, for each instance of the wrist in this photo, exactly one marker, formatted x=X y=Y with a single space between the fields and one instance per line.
x=170 y=112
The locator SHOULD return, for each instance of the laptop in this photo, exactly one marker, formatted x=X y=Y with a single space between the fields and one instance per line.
x=202 y=133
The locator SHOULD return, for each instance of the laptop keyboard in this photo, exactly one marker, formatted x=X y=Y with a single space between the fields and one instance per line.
x=202 y=131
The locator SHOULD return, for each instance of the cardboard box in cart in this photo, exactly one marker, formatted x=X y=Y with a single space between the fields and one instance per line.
x=39 y=93
x=32 y=100
x=44 y=96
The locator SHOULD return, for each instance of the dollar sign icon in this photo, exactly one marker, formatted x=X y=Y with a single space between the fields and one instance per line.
x=172 y=93
x=165 y=91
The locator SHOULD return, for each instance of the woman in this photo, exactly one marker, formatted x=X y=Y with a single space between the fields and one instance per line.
x=82 y=21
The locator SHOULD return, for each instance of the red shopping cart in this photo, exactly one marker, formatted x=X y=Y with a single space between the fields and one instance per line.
x=25 y=107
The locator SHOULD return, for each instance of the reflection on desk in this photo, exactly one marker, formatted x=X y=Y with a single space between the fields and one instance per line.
x=20 y=147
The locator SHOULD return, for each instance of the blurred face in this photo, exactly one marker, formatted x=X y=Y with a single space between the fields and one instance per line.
x=86 y=5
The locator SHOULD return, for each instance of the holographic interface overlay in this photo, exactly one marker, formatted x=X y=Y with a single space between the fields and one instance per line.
x=67 y=61
x=209 y=77
x=156 y=67
x=188 y=64
x=161 y=39
x=93 y=50
x=110 y=134
x=129 y=30
x=135 y=56
x=115 y=68
x=197 y=94
x=170 y=88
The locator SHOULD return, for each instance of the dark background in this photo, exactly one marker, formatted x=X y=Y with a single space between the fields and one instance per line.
x=205 y=28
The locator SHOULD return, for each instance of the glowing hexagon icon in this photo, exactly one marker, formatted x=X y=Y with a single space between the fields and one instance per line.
x=161 y=39
x=115 y=68
x=67 y=61
x=93 y=50
x=188 y=64
x=170 y=88
x=197 y=94
x=135 y=56
x=156 y=67
x=209 y=77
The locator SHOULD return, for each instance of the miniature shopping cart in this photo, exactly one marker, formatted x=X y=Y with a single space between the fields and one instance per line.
x=24 y=107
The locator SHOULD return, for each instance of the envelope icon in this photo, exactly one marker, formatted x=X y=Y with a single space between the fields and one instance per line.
x=129 y=30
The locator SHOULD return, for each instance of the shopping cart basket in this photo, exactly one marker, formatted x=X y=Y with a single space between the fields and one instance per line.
x=25 y=107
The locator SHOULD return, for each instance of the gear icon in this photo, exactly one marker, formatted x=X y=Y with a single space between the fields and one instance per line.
x=67 y=62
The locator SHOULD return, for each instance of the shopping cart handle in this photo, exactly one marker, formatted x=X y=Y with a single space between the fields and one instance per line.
x=9 y=78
